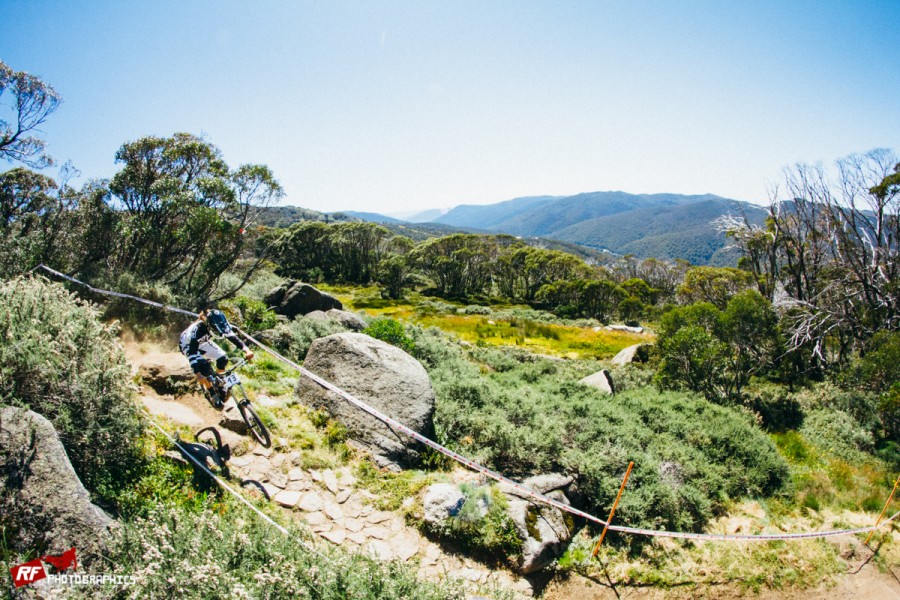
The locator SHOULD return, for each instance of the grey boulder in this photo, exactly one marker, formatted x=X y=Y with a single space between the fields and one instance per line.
x=293 y=298
x=347 y=319
x=635 y=353
x=43 y=505
x=601 y=380
x=384 y=377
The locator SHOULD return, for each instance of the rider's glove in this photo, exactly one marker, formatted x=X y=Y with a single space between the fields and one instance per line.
x=248 y=354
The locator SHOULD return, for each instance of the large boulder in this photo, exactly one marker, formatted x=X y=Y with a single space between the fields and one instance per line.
x=293 y=298
x=166 y=373
x=636 y=353
x=347 y=319
x=43 y=505
x=382 y=376
x=601 y=380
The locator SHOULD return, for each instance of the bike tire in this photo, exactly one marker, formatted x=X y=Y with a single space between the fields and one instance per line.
x=254 y=423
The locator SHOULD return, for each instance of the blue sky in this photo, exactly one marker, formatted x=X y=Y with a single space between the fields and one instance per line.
x=396 y=106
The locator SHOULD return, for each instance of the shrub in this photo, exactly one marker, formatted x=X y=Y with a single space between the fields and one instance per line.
x=176 y=553
x=294 y=338
x=482 y=526
x=391 y=331
x=249 y=314
x=58 y=360
x=691 y=456
x=838 y=433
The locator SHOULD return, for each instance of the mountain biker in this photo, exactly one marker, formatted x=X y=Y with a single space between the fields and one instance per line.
x=196 y=345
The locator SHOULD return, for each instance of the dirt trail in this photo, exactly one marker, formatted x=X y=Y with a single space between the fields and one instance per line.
x=326 y=500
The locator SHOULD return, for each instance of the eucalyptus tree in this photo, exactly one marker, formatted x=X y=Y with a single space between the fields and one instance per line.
x=31 y=101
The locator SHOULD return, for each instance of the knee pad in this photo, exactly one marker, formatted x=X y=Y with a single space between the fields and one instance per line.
x=221 y=362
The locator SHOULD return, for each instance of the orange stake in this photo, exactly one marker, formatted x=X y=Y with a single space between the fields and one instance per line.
x=613 y=511
x=883 y=510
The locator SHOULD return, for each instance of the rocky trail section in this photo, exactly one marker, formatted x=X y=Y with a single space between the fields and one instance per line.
x=326 y=500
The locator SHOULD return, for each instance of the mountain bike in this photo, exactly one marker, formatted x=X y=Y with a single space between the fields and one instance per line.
x=227 y=383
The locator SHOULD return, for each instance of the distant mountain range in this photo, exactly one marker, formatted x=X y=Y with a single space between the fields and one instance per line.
x=666 y=226
x=646 y=225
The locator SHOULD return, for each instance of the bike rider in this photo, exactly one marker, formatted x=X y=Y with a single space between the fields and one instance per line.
x=196 y=345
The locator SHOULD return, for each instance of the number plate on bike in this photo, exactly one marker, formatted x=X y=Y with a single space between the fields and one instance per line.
x=231 y=380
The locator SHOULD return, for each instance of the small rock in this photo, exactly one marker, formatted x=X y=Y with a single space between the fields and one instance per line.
x=379 y=533
x=316 y=475
x=287 y=499
x=311 y=502
x=378 y=517
x=267 y=402
x=353 y=525
x=231 y=418
x=260 y=451
x=333 y=510
x=336 y=536
x=316 y=518
x=442 y=500
x=271 y=490
x=601 y=380
x=330 y=481
x=406 y=546
x=344 y=495
x=357 y=538
x=278 y=478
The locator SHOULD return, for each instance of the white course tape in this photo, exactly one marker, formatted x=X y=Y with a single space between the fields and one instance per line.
x=484 y=470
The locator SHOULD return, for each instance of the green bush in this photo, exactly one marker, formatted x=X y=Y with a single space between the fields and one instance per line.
x=838 y=433
x=391 y=331
x=58 y=360
x=190 y=555
x=294 y=338
x=532 y=416
x=483 y=526
x=249 y=314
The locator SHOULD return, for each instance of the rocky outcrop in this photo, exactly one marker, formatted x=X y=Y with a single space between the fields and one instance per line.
x=293 y=298
x=43 y=505
x=601 y=380
x=168 y=373
x=636 y=353
x=381 y=375
x=545 y=531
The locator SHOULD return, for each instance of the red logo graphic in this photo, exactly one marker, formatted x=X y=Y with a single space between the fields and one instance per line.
x=64 y=561
x=33 y=570
x=27 y=573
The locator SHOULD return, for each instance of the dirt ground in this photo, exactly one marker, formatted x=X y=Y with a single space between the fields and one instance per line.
x=865 y=583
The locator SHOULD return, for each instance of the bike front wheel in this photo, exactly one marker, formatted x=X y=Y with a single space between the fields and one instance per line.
x=254 y=423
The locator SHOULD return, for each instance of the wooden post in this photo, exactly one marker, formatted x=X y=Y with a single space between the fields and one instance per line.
x=883 y=510
x=613 y=511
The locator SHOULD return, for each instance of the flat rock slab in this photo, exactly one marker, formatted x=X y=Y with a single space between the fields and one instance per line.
x=287 y=499
x=335 y=536
x=330 y=480
x=311 y=502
